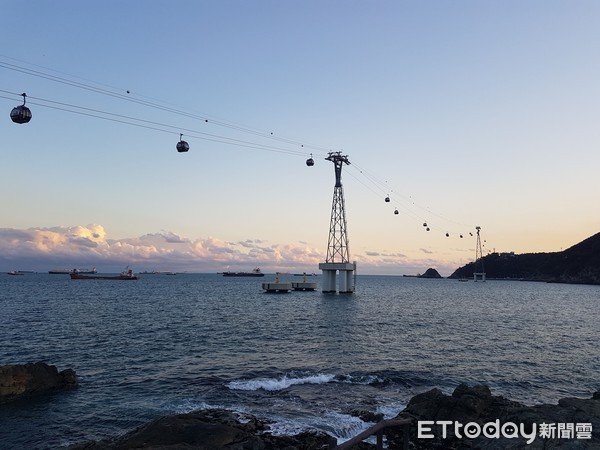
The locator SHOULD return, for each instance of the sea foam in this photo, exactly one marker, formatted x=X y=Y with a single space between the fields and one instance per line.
x=278 y=384
x=338 y=425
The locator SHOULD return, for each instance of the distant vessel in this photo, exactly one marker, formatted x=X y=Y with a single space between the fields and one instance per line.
x=255 y=273
x=125 y=275
x=68 y=271
x=14 y=272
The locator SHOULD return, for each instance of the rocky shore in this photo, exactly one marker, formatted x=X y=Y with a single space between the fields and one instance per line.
x=24 y=380
x=219 y=429
x=573 y=423
x=471 y=417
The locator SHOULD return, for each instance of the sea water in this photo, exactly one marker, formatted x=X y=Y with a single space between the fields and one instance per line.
x=303 y=360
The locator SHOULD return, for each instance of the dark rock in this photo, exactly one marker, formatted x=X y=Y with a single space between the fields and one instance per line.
x=477 y=404
x=430 y=273
x=22 y=380
x=209 y=430
x=367 y=416
x=219 y=429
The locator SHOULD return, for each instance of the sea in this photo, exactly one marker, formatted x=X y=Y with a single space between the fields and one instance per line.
x=163 y=345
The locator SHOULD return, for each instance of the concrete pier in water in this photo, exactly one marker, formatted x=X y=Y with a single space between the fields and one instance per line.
x=330 y=277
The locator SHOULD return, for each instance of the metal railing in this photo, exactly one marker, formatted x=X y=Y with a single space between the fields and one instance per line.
x=377 y=430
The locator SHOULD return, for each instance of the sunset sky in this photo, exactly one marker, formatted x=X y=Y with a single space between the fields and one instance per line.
x=465 y=113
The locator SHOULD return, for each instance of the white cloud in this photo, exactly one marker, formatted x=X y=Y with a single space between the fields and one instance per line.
x=44 y=248
x=41 y=249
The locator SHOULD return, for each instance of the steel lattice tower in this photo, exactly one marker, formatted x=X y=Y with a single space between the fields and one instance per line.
x=479 y=269
x=337 y=245
x=338 y=251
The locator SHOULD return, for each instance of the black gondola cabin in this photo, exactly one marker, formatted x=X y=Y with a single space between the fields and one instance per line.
x=21 y=113
x=182 y=146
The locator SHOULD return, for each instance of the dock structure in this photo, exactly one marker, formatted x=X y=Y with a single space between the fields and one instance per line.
x=338 y=252
x=277 y=287
x=304 y=285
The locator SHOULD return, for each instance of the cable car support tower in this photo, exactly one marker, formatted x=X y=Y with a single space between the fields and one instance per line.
x=338 y=252
x=479 y=270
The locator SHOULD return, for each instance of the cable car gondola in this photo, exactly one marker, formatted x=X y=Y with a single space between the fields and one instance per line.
x=310 y=161
x=387 y=199
x=182 y=146
x=425 y=224
x=396 y=211
x=21 y=113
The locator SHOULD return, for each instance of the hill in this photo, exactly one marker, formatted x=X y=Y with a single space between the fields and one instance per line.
x=577 y=264
x=430 y=273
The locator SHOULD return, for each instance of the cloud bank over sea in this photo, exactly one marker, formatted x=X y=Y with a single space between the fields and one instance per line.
x=41 y=249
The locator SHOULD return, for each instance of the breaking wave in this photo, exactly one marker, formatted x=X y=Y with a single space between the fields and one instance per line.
x=280 y=383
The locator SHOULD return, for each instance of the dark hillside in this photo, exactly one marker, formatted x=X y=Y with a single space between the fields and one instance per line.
x=577 y=264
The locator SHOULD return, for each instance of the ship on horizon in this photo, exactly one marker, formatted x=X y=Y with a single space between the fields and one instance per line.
x=255 y=273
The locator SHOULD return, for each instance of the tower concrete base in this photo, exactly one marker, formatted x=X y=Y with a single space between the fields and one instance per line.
x=346 y=279
x=479 y=276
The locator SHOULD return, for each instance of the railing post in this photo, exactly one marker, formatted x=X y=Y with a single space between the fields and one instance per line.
x=405 y=439
x=377 y=430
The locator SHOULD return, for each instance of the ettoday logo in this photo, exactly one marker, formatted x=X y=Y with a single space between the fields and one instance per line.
x=509 y=430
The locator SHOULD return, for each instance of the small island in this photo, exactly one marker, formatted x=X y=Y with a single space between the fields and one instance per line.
x=430 y=273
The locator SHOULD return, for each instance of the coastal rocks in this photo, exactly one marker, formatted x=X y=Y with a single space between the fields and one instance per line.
x=367 y=416
x=477 y=404
x=217 y=429
x=430 y=273
x=23 y=380
x=210 y=429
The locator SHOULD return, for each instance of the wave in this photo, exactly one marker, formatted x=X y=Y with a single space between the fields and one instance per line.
x=341 y=426
x=281 y=383
x=381 y=379
x=366 y=379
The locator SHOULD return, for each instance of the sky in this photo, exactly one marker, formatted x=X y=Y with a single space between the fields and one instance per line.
x=464 y=113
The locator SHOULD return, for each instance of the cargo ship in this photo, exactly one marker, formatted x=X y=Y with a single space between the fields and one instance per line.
x=255 y=273
x=125 y=275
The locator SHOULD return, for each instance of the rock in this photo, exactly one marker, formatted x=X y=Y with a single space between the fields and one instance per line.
x=366 y=415
x=477 y=404
x=211 y=429
x=23 y=380
x=223 y=430
x=431 y=273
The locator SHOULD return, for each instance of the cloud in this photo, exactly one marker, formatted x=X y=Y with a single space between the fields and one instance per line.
x=173 y=238
x=82 y=246
x=42 y=249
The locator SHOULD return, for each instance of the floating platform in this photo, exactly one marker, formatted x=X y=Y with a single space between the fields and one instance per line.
x=277 y=287
x=304 y=286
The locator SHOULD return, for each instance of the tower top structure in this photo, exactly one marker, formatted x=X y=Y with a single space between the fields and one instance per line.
x=338 y=160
